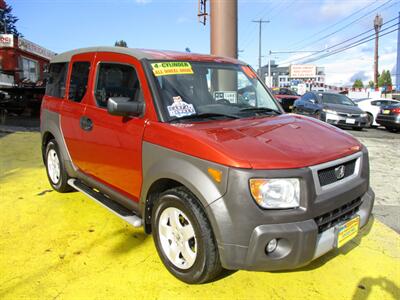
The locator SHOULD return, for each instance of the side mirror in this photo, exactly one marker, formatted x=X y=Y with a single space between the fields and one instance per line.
x=121 y=106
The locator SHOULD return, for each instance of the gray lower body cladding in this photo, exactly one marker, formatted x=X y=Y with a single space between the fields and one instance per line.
x=242 y=229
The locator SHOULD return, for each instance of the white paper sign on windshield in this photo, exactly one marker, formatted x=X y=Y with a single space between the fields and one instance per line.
x=180 y=108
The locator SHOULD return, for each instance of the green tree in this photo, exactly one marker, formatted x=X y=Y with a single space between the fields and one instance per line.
x=358 y=84
x=371 y=84
x=8 y=20
x=385 y=79
x=121 y=43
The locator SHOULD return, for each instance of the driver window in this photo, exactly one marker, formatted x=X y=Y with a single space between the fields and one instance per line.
x=116 y=80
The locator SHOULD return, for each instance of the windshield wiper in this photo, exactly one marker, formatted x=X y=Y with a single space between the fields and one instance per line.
x=204 y=116
x=260 y=110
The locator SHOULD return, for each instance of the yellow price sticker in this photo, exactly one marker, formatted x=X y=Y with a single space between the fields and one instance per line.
x=171 y=68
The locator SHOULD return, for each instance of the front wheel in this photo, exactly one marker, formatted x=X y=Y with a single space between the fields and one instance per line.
x=184 y=238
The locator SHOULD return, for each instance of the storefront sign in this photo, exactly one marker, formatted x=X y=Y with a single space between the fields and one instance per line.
x=303 y=71
x=6 y=40
x=33 y=48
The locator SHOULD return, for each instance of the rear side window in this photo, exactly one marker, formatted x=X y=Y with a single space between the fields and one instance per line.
x=79 y=80
x=55 y=86
x=116 y=80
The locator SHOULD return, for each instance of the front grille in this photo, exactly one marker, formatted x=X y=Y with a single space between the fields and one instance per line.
x=349 y=115
x=337 y=215
x=328 y=175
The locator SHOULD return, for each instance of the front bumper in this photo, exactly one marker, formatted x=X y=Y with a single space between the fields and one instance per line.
x=243 y=230
x=339 y=120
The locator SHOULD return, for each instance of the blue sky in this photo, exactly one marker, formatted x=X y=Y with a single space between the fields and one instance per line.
x=61 y=25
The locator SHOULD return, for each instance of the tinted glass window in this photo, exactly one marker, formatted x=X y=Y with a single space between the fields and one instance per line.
x=306 y=97
x=337 y=99
x=79 y=81
x=376 y=103
x=56 y=80
x=116 y=80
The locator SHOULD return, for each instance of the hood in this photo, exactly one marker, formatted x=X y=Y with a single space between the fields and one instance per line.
x=344 y=108
x=281 y=142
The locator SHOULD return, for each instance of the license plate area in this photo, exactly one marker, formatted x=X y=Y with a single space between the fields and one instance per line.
x=346 y=231
x=350 y=121
x=386 y=112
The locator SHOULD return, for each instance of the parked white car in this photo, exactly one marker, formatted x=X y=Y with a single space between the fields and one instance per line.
x=372 y=107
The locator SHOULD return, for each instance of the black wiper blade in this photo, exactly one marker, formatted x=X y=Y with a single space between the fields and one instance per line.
x=204 y=116
x=261 y=109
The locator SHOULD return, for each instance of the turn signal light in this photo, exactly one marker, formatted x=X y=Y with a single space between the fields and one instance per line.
x=215 y=174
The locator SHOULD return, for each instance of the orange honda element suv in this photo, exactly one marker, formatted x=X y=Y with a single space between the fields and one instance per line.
x=196 y=149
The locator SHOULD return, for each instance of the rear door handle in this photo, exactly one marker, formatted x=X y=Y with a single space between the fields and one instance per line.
x=86 y=123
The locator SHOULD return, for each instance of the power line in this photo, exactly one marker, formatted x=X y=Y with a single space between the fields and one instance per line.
x=341 y=43
x=333 y=25
x=349 y=24
x=363 y=41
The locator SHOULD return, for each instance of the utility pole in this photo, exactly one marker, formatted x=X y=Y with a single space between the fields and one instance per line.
x=398 y=59
x=377 y=25
x=260 y=22
x=224 y=28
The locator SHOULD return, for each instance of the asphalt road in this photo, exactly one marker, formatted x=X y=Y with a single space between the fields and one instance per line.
x=384 y=153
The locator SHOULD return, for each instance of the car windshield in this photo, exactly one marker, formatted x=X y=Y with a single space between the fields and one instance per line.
x=336 y=99
x=201 y=90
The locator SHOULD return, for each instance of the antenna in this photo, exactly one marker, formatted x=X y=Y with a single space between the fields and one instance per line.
x=202 y=12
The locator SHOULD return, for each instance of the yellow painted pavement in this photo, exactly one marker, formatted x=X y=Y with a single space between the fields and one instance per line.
x=64 y=246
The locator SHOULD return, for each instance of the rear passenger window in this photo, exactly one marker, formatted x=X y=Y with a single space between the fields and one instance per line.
x=55 y=86
x=79 y=80
x=116 y=80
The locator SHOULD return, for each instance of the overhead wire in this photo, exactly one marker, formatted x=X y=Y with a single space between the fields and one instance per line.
x=333 y=25
x=358 y=43
x=348 y=25
x=341 y=43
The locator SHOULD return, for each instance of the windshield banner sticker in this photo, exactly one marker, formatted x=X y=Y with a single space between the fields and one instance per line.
x=180 y=108
x=227 y=95
x=171 y=68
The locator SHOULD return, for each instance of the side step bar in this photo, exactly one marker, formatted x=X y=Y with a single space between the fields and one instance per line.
x=114 y=207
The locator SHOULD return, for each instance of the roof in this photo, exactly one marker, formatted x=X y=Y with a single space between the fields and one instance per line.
x=146 y=54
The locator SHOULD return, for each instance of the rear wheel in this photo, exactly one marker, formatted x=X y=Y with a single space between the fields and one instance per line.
x=56 y=172
x=184 y=238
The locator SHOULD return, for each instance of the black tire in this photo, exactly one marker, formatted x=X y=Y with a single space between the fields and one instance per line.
x=207 y=263
x=370 y=118
x=61 y=185
x=358 y=128
x=392 y=129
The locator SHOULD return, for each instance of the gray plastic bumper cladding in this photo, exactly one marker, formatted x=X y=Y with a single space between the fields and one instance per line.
x=242 y=229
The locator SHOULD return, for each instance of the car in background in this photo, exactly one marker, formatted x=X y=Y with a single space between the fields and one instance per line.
x=335 y=109
x=372 y=107
x=389 y=116
x=285 y=97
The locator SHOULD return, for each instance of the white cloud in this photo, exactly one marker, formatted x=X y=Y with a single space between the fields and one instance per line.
x=143 y=2
x=339 y=8
x=181 y=20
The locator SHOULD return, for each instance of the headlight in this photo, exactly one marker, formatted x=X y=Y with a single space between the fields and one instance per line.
x=276 y=193
x=329 y=111
x=364 y=115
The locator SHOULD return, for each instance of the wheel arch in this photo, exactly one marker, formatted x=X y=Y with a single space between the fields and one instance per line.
x=164 y=169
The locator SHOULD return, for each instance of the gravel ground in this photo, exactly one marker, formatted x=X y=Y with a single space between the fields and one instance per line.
x=384 y=153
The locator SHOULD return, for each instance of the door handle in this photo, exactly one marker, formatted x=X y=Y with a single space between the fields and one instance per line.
x=86 y=123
